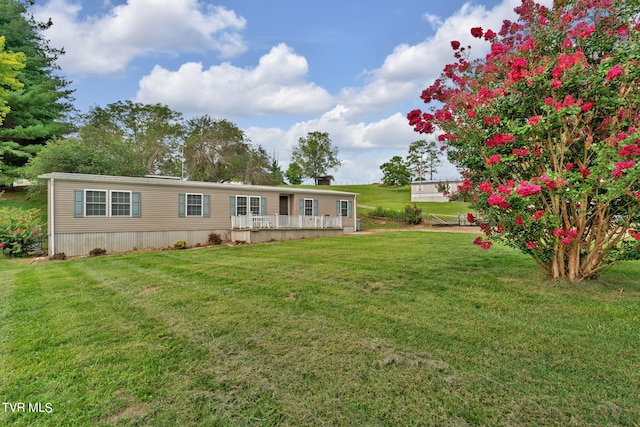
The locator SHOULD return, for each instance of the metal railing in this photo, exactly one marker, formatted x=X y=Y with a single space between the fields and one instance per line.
x=258 y=222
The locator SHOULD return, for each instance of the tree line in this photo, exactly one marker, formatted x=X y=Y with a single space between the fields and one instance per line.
x=41 y=132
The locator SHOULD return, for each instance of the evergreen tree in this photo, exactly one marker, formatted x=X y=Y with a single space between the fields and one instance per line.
x=38 y=113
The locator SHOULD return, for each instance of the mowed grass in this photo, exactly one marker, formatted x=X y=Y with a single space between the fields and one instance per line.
x=387 y=329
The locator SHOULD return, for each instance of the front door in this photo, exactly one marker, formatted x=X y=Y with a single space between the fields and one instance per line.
x=284 y=204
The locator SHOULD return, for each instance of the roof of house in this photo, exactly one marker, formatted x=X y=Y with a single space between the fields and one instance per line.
x=179 y=183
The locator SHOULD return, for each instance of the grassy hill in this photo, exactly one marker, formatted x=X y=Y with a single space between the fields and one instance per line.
x=372 y=196
x=387 y=329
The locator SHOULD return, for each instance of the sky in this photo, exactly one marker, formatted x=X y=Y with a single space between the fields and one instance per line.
x=277 y=69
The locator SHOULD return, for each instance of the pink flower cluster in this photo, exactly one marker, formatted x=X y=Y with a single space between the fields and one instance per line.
x=568 y=101
x=615 y=72
x=466 y=185
x=498 y=200
x=495 y=158
x=484 y=244
x=630 y=150
x=500 y=139
x=527 y=189
x=633 y=193
x=621 y=166
x=548 y=182
x=520 y=152
x=582 y=31
x=566 y=62
x=566 y=236
x=491 y=120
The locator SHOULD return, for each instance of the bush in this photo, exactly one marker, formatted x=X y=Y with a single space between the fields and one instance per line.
x=412 y=214
x=97 y=252
x=214 y=239
x=386 y=213
x=180 y=244
x=19 y=231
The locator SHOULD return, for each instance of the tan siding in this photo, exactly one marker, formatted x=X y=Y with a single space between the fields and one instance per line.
x=159 y=224
x=159 y=208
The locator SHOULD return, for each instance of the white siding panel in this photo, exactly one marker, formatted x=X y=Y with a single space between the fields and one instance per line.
x=82 y=243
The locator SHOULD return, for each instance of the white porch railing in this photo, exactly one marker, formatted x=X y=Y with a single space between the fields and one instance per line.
x=257 y=222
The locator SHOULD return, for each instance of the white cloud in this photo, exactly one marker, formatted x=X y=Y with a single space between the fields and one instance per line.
x=276 y=86
x=363 y=121
x=365 y=145
x=107 y=44
x=434 y=20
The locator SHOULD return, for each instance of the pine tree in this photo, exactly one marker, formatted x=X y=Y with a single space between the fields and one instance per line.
x=38 y=113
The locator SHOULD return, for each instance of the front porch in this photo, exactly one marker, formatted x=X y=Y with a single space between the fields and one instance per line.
x=267 y=228
x=298 y=222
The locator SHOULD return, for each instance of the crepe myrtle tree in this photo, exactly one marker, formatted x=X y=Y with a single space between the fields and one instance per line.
x=546 y=129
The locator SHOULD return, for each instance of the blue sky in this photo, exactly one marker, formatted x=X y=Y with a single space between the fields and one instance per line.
x=278 y=69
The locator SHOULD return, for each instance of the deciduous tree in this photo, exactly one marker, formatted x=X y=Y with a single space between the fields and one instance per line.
x=396 y=172
x=153 y=131
x=547 y=130
x=217 y=150
x=294 y=174
x=315 y=155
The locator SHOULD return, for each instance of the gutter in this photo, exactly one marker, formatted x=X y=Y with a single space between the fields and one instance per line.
x=52 y=219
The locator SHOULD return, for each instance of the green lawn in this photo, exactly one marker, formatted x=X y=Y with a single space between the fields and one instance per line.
x=387 y=329
x=378 y=195
x=21 y=198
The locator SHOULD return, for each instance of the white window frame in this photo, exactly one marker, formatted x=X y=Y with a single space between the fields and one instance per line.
x=306 y=208
x=344 y=208
x=106 y=202
x=251 y=205
x=186 y=204
x=245 y=206
x=130 y=203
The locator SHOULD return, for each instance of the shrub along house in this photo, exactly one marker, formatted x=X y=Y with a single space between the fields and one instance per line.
x=122 y=213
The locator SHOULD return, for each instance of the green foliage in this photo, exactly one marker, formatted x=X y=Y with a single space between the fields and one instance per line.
x=20 y=231
x=315 y=155
x=396 y=172
x=101 y=157
x=217 y=150
x=546 y=129
x=424 y=157
x=180 y=244
x=294 y=174
x=381 y=212
x=275 y=172
x=39 y=111
x=10 y=64
x=152 y=131
x=412 y=214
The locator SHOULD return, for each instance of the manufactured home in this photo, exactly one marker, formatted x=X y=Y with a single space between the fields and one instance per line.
x=433 y=191
x=120 y=213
